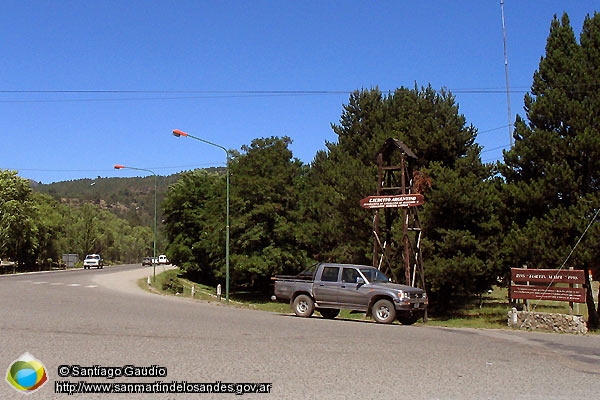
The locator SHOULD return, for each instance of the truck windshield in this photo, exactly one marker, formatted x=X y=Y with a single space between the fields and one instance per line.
x=374 y=275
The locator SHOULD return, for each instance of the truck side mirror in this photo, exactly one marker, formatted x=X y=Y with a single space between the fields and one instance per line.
x=360 y=281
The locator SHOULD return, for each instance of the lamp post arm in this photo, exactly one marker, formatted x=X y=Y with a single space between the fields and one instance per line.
x=211 y=143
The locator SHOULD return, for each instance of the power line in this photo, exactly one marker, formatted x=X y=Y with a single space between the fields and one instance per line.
x=203 y=96
x=182 y=91
x=226 y=94
x=495 y=148
x=515 y=89
x=492 y=129
x=194 y=94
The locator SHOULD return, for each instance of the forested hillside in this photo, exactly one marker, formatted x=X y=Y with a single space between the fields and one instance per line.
x=129 y=198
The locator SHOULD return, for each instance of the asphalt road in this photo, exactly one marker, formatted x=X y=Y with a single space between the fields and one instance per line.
x=100 y=318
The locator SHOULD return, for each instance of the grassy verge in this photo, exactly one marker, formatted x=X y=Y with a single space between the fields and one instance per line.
x=488 y=311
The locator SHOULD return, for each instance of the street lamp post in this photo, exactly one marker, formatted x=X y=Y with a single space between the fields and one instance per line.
x=118 y=166
x=178 y=133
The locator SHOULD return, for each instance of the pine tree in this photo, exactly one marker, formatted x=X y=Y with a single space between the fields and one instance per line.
x=551 y=173
x=458 y=215
x=265 y=217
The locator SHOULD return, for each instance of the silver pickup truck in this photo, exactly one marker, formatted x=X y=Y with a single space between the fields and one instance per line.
x=327 y=288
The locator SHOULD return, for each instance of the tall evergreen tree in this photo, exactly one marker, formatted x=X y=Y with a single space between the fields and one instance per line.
x=265 y=213
x=457 y=218
x=551 y=173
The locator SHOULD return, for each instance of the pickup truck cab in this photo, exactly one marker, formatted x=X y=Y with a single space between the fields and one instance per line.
x=331 y=287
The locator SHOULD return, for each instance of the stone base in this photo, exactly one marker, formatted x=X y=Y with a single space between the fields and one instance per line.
x=546 y=321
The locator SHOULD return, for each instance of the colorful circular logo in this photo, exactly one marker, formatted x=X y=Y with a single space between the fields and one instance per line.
x=26 y=374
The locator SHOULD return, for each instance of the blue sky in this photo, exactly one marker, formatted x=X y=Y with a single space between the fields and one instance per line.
x=89 y=84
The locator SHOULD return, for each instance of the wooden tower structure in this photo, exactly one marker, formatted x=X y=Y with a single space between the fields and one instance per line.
x=396 y=226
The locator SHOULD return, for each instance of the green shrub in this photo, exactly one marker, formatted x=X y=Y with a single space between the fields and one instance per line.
x=172 y=284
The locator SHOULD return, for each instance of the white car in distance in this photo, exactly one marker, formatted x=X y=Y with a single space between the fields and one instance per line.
x=93 y=260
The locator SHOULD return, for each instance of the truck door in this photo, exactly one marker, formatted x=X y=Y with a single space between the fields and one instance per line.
x=326 y=288
x=350 y=292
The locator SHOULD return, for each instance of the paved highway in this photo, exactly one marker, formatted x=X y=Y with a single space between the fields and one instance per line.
x=100 y=318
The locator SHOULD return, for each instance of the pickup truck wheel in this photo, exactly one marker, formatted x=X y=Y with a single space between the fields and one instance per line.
x=384 y=311
x=303 y=306
x=329 y=313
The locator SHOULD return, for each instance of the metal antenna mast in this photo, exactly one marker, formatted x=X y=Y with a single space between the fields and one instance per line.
x=510 y=124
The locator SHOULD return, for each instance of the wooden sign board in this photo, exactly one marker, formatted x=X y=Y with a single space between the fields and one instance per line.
x=397 y=201
x=542 y=284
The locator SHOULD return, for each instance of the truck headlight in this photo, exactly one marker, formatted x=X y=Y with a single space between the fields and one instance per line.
x=402 y=295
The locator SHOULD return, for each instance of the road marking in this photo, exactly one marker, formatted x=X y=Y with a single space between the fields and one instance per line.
x=61 y=284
